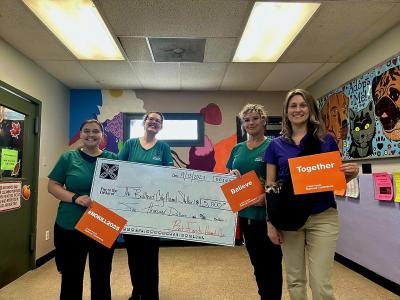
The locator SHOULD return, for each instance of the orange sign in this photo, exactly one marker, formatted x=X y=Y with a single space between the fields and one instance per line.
x=101 y=224
x=317 y=173
x=340 y=193
x=242 y=192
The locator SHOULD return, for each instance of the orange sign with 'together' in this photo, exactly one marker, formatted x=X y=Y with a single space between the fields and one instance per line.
x=317 y=173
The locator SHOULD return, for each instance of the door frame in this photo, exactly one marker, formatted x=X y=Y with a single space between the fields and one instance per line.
x=35 y=165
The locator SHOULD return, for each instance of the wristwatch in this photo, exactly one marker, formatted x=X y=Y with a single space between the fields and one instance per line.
x=74 y=197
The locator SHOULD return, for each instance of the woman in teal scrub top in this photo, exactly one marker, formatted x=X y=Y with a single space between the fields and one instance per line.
x=70 y=182
x=142 y=250
x=247 y=156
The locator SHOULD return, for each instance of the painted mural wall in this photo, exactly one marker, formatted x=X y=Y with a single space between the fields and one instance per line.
x=363 y=115
x=218 y=109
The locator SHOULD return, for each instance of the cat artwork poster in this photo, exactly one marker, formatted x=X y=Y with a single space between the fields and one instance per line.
x=363 y=115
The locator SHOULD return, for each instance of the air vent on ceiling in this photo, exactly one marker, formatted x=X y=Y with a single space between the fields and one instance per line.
x=177 y=49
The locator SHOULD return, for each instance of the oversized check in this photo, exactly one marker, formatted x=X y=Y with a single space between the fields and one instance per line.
x=166 y=202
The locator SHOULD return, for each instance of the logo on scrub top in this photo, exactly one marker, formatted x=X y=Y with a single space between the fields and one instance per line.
x=157 y=156
x=260 y=157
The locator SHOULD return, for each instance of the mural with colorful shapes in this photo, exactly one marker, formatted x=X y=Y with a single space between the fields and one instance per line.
x=108 y=107
x=363 y=115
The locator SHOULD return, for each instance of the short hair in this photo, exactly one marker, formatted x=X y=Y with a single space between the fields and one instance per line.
x=90 y=121
x=257 y=108
x=315 y=122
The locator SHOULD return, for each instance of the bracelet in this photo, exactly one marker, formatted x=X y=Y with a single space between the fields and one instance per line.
x=74 y=197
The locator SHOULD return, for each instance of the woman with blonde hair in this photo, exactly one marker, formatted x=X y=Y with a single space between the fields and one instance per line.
x=247 y=156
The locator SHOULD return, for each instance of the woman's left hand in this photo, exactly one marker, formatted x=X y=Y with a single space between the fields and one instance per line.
x=83 y=201
x=260 y=200
x=235 y=172
x=350 y=170
x=274 y=234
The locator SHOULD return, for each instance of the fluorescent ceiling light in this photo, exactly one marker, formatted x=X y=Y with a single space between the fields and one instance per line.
x=79 y=26
x=271 y=28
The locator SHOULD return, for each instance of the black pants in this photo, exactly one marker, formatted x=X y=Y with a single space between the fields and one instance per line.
x=143 y=265
x=72 y=248
x=265 y=257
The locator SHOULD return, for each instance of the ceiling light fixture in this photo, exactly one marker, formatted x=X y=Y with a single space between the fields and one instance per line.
x=271 y=28
x=79 y=26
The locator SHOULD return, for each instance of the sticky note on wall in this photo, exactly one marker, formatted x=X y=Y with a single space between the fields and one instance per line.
x=396 y=183
x=9 y=159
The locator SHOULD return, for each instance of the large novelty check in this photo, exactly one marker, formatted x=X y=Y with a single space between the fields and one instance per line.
x=166 y=202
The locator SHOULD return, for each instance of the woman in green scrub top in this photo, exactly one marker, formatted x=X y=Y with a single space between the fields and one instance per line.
x=70 y=182
x=142 y=250
x=247 y=156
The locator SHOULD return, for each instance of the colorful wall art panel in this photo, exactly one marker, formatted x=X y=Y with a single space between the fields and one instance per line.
x=363 y=115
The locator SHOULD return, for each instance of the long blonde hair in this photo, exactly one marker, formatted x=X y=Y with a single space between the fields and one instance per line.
x=315 y=123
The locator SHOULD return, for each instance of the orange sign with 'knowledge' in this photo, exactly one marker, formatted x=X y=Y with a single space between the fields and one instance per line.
x=317 y=173
x=101 y=224
x=243 y=192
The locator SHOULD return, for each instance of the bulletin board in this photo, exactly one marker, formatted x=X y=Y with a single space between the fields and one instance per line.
x=363 y=115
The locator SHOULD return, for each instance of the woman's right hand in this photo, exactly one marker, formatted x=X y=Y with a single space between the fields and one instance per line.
x=83 y=200
x=235 y=172
x=274 y=234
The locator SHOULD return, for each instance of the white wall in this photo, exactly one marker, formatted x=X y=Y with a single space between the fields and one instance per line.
x=366 y=235
x=23 y=74
x=383 y=48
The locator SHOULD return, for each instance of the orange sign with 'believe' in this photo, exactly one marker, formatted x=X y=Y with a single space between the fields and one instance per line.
x=243 y=192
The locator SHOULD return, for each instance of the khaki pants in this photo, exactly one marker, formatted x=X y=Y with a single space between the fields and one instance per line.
x=316 y=242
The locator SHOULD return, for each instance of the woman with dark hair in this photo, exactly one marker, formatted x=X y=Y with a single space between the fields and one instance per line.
x=315 y=240
x=142 y=250
x=70 y=182
x=247 y=156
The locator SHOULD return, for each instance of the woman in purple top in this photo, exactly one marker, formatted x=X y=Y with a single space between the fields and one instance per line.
x=316 y=239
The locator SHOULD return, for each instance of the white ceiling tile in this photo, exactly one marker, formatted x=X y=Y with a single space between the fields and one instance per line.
x=319 y=44
x=317 y=74
x=355 y=13
x=177 y=18
x=23 y=30
x=71 y=73
x=245 y=76
x=220 y=49
x=287 y=76
x=113 y=74
x=136 y=49
x=202 y=76
x=387 y=21
x=158 y=75
x=335 y=27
